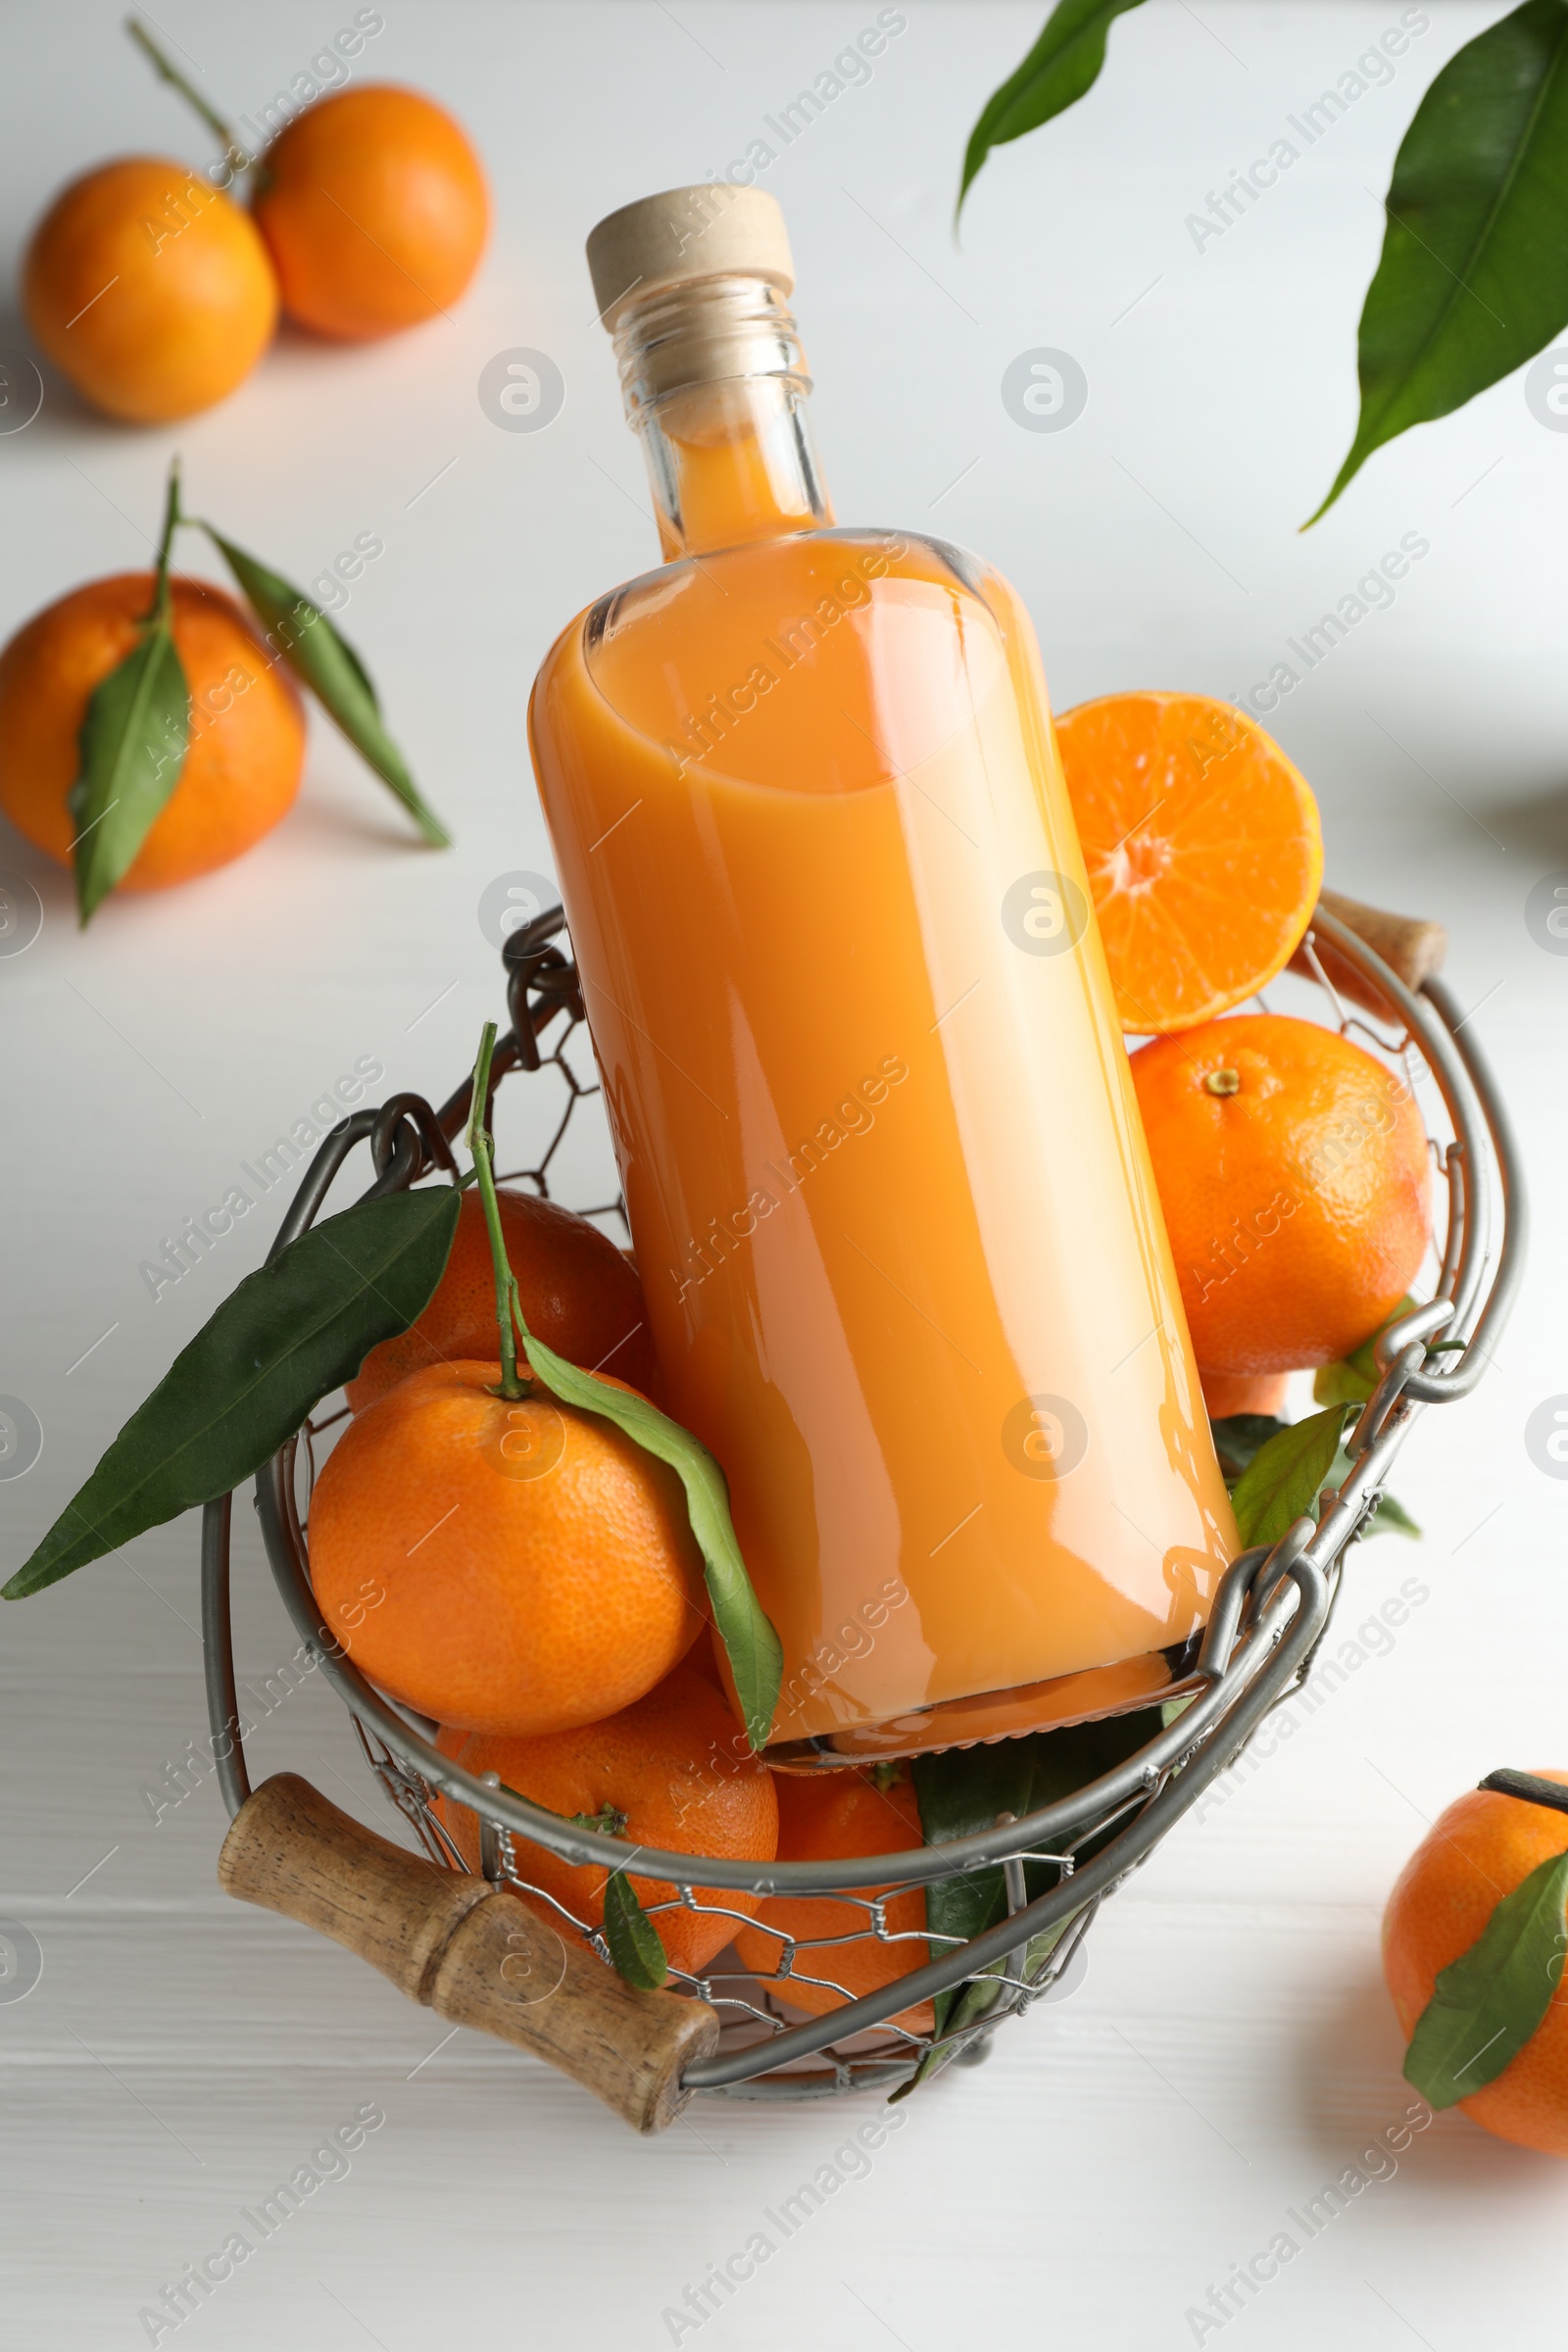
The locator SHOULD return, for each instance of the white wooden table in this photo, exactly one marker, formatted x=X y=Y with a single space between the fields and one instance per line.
x=1233 y=2049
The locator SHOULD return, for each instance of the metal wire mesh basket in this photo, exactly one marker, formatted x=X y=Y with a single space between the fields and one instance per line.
x=542 y=1977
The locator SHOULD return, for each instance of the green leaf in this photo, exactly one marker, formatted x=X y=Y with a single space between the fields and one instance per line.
x=334 y=673
x=1238 y=1437
x=1340 y=1384
x=1061 y=66
x=963 y=1790
x=1391 y=1518
x=1473 y=278
x=290 y=1334
x=982 y=1993
x=1068 y=1761
x=958 y=1792
x=131 y=749
x=755 y=1657
x=635 y=1944
x=1489 y=2002
x=1282 y=1482
x=1352 y=1379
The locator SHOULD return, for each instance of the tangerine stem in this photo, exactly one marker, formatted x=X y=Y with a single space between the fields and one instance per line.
x=234 y=154
x=172 y=518
x=480 y=1146
x=608 y=1821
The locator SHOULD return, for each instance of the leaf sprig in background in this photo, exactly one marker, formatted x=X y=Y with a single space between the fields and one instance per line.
x=137 y=727
x=1473 y=278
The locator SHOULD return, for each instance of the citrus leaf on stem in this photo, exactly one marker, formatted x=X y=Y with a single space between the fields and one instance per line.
x=485 y=1176
x=979 y=1997
x=290 y=1334
x=132 y=748
x=301 y=634
x=1488 y=2003
x=1352 y=1379
x=1342 y=1382
x=1282 y=1482
x=1061 y=66
x=635 y=1944
x=132 y=739
x=963 y=1790
x=1238 y=1437
x=1473 y=278
x=756 y=1658
x=1391 y=1518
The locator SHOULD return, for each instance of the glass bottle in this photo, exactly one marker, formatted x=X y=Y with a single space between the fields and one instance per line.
x=902 y=1255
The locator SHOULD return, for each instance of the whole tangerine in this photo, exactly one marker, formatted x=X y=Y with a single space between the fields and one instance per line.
x=246 y=751
x=505 y=1567
x=375 y=212
x=828 y=1816
x=576 y=1291
x=150 y=289
x=1294 y=1173
x=671 y=1772
x=1474 y=1853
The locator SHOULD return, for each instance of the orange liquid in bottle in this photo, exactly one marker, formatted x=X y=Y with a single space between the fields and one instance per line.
x=892 y=1207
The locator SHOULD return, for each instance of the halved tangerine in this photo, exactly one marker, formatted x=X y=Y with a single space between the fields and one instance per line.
x=1203 y=850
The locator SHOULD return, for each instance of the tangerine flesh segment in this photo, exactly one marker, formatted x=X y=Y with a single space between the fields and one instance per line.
x=1203 y=850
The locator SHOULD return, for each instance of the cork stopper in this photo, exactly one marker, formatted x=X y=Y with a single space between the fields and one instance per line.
x=667 y=240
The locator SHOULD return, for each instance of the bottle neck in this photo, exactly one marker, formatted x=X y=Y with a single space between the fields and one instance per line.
x=715 y=384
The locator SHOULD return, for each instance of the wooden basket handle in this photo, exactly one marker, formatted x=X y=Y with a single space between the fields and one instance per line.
x=471 y=1951
x=1410 y=947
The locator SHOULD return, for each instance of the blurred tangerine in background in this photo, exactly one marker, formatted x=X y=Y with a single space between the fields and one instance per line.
x=156 y=292
x=375 y=212
x=150 y=289
x=246 y=754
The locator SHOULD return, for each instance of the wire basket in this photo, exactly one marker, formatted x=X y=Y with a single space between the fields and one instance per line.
x=535 y=1975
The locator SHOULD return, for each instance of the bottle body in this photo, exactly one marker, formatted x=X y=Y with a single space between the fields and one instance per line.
x=896 y=1230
